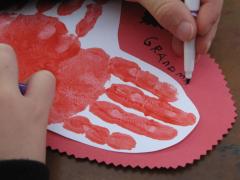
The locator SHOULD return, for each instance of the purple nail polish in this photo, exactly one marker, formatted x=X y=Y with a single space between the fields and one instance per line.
x=22 y=88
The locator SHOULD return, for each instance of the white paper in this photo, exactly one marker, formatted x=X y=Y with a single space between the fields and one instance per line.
x=105 y=35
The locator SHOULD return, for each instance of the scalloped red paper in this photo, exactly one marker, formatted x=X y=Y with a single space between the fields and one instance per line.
x=208 y=91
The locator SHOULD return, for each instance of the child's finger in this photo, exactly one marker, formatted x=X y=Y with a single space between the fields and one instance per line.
x=8 y=67
x=41 y=88
x=208 y=15
x=172 y=15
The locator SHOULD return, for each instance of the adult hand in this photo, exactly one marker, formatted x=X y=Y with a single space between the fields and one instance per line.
x=174 y=16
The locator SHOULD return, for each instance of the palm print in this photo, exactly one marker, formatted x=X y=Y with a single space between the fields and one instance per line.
x=137 y=101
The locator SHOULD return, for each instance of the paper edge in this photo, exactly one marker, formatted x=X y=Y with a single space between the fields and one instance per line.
x=180 y=165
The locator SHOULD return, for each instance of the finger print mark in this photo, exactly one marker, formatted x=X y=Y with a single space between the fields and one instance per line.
x=115 y=115
x=77 y=124
x=99 y=134
x=130 y=72
x=47 y=44
x=40 y=44
x=90 y=19
x=75 y=94
x=121 y=141
x=134 y=98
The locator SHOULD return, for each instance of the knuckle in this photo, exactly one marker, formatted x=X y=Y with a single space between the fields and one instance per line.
x=164 y=10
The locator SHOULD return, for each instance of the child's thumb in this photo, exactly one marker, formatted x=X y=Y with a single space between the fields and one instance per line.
x=41 y=88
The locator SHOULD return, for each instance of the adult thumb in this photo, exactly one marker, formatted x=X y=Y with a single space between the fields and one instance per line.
x=174 y=16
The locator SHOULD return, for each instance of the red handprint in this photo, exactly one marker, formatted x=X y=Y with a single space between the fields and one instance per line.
x=43 y=42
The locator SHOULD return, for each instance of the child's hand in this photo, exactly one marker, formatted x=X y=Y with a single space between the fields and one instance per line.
x=175 y=17
x=23 y=119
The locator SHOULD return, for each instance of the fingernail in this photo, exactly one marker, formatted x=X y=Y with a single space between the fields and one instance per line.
x=185 y=31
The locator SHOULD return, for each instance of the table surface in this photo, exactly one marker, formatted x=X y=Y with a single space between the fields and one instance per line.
x=223 y=163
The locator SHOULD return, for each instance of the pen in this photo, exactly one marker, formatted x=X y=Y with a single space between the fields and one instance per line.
x=190 y=46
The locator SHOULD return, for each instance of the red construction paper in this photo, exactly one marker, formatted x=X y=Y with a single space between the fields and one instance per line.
x=143 y=38
x=208 y=91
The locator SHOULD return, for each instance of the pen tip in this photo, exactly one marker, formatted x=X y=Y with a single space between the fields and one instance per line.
x=188 y=81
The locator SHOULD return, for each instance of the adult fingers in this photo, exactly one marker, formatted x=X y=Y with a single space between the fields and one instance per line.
x=208 y=15
x=204 y=42
x=174 y=16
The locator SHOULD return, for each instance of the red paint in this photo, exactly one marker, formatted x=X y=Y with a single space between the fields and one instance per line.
x=45 y=46
x=115 y=115
x=82 y=73
x=81 y=81
x=208 y=78
x=77 y=124
x=151 y=83
x=168 y=113
x=134 y=98
x=98 y=134
x=82 y=125
x=125 y=70
x=121 y=141
x=127 y=95
x=130 y=72
x=41 y=39
x=90 y=19
x=5 y=20
x=45 y=5
x=67 y=7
